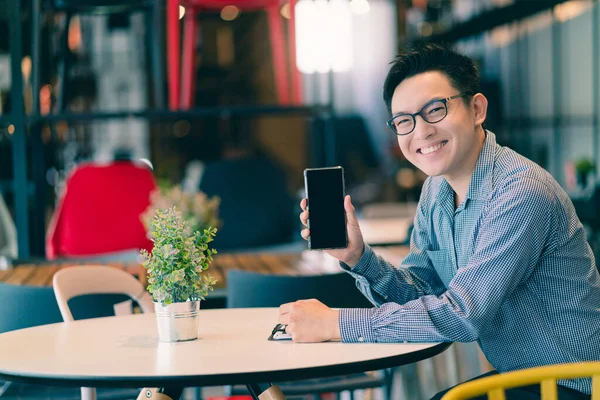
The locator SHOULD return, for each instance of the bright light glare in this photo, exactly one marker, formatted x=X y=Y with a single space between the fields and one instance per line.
x=359 y=6
x=323 y=36
x=229 y=13
x=570 y=9
x=285 y=11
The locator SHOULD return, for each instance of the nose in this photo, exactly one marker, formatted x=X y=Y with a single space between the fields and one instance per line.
x=423 y=129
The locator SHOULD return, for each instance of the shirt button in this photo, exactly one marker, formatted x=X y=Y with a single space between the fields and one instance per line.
x=361 y=339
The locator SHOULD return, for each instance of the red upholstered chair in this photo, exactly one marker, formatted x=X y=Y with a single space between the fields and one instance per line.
x=99 y=212
x=181 y=90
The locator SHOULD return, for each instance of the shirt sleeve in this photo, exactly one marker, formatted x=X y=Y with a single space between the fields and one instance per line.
x=515 y=228
x=382 y=282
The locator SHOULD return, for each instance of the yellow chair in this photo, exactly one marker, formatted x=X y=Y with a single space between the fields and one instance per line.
x=495 y=385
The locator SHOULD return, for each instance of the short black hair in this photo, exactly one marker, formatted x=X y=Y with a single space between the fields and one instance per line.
x=427 y=56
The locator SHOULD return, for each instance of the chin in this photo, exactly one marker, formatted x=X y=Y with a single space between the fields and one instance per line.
x=432 y=171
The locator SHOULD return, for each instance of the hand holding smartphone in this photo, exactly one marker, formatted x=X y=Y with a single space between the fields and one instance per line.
x=325 y=192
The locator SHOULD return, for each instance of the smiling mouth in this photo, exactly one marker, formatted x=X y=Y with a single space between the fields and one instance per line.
x=432 y=149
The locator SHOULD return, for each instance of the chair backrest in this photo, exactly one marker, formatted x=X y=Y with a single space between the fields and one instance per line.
x=100 y=211
x=71 y=282
x=495 y=385
x=23 y=306
x=256 y=207
x=250 y=289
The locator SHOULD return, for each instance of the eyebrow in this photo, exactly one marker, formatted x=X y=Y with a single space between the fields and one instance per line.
x=424 y=104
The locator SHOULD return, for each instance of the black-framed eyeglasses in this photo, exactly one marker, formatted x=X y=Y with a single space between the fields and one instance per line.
x=432 y=112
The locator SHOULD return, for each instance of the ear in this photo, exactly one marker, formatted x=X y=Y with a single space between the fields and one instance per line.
x=479 y=104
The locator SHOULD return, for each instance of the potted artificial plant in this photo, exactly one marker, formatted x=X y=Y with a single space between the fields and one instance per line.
x=177 y=277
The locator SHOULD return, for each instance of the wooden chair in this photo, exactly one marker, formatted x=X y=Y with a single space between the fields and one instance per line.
x=71 y=282
x=495 y=386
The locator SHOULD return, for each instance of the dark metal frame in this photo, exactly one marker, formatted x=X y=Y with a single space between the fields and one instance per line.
x=493 y=18
x=17 y=119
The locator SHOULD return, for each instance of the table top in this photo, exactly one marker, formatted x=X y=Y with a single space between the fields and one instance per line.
x=232 y=349
x=302 y=263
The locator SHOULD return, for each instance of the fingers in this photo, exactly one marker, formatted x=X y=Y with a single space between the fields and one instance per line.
x=350 y=211
x=305 y=233
x=304 y=218
x=285 y=308
x=284 y=314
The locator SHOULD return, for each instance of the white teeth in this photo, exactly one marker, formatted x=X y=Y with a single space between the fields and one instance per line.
x=431 y=149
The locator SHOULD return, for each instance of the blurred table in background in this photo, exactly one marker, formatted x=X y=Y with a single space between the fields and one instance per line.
x=303 y=263
x=385 y=231
x=387 y=224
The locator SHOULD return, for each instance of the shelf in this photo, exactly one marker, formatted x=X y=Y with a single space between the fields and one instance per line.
x=220 y=112
x=488 y=20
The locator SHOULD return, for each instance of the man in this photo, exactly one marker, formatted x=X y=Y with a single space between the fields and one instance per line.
x=497 y=253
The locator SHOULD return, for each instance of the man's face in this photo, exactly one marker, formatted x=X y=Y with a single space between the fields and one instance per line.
x=443 y=148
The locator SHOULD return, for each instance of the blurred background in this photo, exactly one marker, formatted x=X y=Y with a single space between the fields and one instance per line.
x=190 y=90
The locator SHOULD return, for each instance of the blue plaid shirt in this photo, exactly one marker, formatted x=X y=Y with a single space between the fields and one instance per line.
x=509 y=268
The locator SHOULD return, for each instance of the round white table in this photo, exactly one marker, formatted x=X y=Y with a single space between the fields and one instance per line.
x=232 y=349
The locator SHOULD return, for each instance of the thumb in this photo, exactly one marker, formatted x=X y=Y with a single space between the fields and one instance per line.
x=350 y=211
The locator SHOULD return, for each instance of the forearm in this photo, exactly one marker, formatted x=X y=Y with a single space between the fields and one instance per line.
x=382 y=282
x=416 y=321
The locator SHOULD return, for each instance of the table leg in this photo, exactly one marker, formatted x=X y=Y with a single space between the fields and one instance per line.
x=163 y=393
x=270 y=393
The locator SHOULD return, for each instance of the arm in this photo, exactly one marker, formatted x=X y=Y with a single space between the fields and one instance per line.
x=381 y=282
x=515 y=229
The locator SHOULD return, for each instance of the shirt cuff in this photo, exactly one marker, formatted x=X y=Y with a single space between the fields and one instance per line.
x=355 y=325
x=367 y=266
x=363 y=262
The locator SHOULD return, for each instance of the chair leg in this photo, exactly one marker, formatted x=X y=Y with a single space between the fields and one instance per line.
x=5 y=387
x=173 y=52
x=88 y=393
x=388 y=376
x=187 y=64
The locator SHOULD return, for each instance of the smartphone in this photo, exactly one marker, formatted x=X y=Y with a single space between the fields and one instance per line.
x=325 y=193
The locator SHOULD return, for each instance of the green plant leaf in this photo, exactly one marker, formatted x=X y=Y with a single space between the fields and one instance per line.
x=177 y=264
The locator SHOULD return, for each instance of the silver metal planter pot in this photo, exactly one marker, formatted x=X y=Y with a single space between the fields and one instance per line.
x=177 y=322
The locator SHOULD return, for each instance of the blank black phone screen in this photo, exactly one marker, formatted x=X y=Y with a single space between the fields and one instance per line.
x=327 y=218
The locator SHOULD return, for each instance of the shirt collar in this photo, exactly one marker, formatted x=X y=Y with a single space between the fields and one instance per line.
x=481 y=180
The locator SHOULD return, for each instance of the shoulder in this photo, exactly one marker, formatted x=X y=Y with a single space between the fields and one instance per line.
x=519 y=181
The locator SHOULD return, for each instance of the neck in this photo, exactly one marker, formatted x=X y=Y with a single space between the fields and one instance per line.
x=461 y=179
